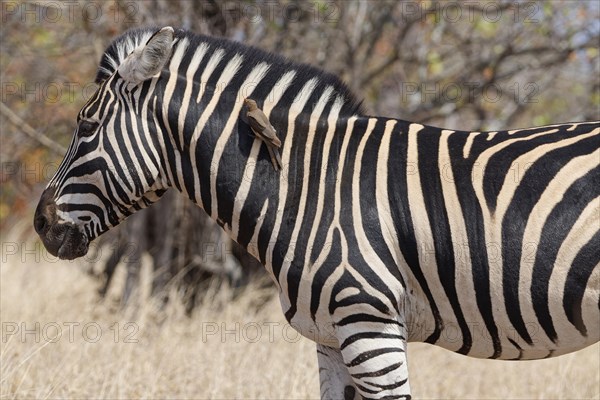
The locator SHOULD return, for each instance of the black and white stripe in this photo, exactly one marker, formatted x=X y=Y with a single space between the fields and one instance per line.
x=377 y=231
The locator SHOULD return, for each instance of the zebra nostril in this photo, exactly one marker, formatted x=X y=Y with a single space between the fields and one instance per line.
x=40 y=224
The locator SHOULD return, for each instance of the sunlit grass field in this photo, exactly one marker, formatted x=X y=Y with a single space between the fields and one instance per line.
x=59 y=341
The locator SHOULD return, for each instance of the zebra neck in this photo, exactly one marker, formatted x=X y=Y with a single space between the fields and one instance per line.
x=211 y=155
x=215 y=160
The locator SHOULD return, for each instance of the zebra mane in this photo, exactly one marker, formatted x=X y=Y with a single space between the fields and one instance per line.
x=123 y=45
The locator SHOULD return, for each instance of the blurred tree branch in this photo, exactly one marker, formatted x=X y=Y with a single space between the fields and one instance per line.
x=29 y=131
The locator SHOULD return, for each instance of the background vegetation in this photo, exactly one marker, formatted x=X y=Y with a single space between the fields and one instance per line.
x=475 y=65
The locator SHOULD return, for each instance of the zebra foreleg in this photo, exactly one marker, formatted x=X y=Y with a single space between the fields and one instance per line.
x=375 y=355
x=336 y=382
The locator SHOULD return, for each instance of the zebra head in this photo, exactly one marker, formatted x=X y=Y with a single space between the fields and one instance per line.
x=112 y=168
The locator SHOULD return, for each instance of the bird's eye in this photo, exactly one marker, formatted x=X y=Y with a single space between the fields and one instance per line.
x=87 y=128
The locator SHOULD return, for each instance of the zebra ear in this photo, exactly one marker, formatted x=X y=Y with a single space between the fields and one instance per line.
x=145 y=62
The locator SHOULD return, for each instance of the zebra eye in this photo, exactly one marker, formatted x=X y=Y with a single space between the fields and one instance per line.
x=87 y=128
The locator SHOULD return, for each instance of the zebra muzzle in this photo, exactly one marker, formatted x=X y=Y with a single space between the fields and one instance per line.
x=64 y=240
x=74 y=244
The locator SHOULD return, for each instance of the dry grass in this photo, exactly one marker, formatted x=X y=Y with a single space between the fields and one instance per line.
x=176 y=357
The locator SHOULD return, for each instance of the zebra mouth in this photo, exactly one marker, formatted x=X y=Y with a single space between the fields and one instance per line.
x=65 y=241
x=75 y=244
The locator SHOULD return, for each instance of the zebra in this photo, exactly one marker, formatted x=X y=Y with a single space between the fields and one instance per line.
x=377 y=232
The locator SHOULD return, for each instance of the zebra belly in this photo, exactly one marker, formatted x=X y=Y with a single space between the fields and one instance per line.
x=574 y=329
x=512 y=345
x=573 y=323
